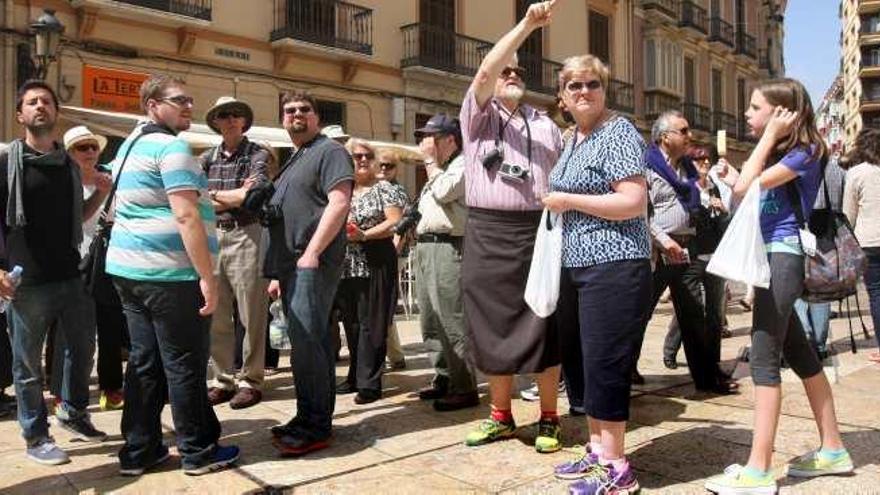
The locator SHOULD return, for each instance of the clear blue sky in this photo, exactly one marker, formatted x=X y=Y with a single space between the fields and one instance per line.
x=812 y=49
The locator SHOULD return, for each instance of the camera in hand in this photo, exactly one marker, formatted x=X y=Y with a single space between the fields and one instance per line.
x=493 y=158
x=513 y=172
x=409 y=219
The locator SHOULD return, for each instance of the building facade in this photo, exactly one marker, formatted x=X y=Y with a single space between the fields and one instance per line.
x=830 y=116
x=860 y=65
x=380 y=68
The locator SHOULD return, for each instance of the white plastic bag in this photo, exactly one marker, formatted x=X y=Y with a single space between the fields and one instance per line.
x=278 y=337
x=741 y=254
x=542 y=287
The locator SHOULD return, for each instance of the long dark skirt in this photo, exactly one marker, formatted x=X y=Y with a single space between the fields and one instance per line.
x=504 y=336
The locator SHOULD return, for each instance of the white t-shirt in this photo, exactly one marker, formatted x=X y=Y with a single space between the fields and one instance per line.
x=89 y=224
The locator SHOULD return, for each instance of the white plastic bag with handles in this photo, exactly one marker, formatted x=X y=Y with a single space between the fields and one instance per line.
x=542 y=287
x=741 y=254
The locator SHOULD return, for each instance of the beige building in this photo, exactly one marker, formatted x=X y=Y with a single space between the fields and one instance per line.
x=860 y=65
x=381 y=67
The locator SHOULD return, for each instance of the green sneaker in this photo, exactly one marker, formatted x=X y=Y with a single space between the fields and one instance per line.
x=548 y=437
x=489 y=431
x=737 y=480
x=814 y=464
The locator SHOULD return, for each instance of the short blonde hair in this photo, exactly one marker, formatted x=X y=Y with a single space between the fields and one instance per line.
x=587 y=63
x=354 y=143
x=389 y=155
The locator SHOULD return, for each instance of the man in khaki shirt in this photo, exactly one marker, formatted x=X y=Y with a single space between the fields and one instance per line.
x=438 y=265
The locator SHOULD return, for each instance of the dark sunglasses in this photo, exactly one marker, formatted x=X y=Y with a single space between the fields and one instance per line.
x=180 y=100
x=388 y=166
x=684 y=131
x=304 y=109
x=362 y=156
x=578 y=86
x=82 y=148
x=226 y=115
x=508 y=71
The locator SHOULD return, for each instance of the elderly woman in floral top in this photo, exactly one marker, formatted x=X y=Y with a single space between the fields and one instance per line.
x=367 y=294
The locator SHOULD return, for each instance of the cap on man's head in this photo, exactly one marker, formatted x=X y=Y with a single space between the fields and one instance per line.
x=440 y=123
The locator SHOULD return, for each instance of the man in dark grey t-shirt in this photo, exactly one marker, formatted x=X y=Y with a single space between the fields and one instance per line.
x=306 y=247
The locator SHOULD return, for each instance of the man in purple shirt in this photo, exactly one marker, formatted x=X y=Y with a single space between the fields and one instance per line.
x=509 y=149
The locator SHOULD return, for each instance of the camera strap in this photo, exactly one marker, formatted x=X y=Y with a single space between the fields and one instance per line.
x=503 y=126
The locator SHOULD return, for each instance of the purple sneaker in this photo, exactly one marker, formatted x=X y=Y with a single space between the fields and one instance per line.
x=577 y=469
x=606 y=480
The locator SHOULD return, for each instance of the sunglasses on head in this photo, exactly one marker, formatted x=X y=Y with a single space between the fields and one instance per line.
x=508 y=71
x=85 y=147
x=303 y=109
x=227 y=114
x=179 y=100
x=577 y=86
x=362 y=156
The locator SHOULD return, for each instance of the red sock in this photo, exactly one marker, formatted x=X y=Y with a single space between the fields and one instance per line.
x=549 y=416
x=502 y=415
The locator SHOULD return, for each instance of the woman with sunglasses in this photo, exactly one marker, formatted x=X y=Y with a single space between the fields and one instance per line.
x=788 y=157
x=599 y=187
x=85 y=148
x=367 y=294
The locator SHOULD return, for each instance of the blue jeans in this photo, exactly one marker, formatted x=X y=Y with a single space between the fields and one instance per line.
x=814 y=318
x=169 y=356
x=872 y=283
x=308 y=297
x=34 y=308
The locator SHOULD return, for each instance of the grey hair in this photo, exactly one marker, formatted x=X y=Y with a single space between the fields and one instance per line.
x=661 y=125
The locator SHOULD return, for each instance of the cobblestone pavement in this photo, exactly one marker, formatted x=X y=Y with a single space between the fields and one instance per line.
x=676 y=439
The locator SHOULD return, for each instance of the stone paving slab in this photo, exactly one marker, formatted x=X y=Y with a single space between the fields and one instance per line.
x=676 y=438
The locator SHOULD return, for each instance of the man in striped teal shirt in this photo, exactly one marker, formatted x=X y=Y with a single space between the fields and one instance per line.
x=161 y=256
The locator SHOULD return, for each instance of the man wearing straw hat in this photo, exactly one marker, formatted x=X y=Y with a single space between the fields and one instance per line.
x=232 y=167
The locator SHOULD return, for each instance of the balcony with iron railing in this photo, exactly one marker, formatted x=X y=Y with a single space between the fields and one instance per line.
x=698 y=116
x=429 y=46
x=745 y=44
x=666 y=7
x=329 y=23
x=764 y=60
x=724 y=121
x=870 y=58
x=541 y=74
x=721 y=31
x=620 y=96
x=197 y=9
x=693 y=16
x=657 y=102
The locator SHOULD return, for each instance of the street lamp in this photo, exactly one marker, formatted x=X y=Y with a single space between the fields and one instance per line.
x=47 y=31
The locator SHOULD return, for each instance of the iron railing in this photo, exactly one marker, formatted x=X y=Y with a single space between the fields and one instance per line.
x=745 y=44
x=621 y=96
x=437 y=48
x=657 y=103
x=541 y=74
x=198 y=9
x=724 y=121
x=330 y=23
x=721 y=31
x=871 y=58
x=694 y=16
x=668 y=7
x=698 y=116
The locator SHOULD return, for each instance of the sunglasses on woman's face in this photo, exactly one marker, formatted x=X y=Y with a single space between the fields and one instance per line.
x=387 y=166
x=578 y=86
x=86 y=147
x=362 y=156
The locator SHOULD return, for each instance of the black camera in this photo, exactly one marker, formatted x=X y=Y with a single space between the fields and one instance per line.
x=494 y=157
x=409 y=219
x=513 y=172
x=256 y=201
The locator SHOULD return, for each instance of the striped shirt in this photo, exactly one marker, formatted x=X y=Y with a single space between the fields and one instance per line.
x=480 y=127
x=145 y=243
x=669 y=216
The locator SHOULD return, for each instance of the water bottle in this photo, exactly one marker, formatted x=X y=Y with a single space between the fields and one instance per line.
x=15 y=278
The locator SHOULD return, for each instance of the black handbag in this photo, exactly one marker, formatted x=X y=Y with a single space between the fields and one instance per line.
x=92 y=266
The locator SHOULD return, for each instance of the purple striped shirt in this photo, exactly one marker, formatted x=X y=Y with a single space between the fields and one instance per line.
x=479 y=129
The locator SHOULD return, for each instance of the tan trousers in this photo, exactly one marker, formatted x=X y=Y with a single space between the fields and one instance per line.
x=239 y=281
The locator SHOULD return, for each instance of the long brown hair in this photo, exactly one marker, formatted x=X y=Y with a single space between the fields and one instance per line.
x=866 y=149
x=791 y=94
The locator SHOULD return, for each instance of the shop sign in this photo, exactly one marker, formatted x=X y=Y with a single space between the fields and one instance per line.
x=112 y=90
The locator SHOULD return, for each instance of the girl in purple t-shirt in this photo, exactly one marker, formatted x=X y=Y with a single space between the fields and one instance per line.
x=789 y=150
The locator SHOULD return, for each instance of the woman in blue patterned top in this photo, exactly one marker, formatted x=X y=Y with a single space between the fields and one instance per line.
x=599 y=186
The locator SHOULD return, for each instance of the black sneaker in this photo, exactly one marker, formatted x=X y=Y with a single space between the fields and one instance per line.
x=163 y=456
x=286 y=428
x=82 y=429
x=223 y=457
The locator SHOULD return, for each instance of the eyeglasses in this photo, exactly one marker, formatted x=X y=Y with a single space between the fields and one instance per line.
x=226 y=115
x=303 y=109
x=684 y=131
x=362 y=156
x=578 y=86
x=179 y=100
x=518 y=71
x=83 y=148
x=387 y=166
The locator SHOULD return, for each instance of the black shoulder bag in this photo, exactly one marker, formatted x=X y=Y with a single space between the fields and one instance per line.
x=92 y=266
